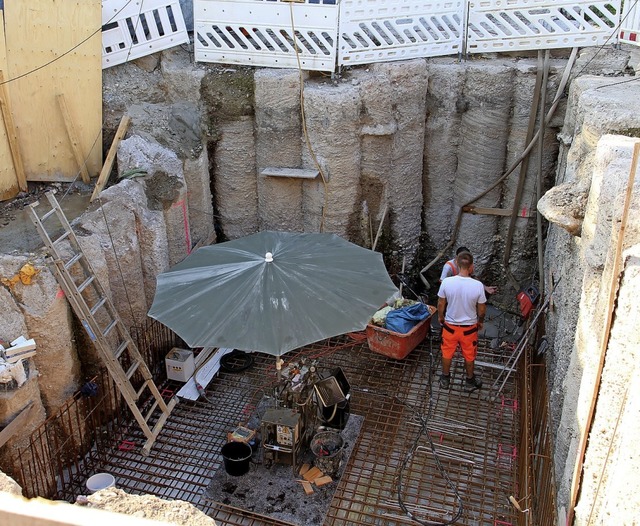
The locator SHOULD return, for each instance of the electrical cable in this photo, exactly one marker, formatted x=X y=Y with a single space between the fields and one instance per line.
x=27 y=73
x=227 y=359
x=304 y=122
x=423 y=430
x=424 y=419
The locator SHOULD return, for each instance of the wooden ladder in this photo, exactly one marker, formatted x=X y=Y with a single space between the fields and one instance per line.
x=100 y=320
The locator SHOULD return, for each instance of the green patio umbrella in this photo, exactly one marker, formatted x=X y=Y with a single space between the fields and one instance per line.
x=272 y=292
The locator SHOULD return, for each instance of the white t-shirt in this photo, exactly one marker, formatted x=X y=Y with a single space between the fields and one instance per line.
x=463 y=295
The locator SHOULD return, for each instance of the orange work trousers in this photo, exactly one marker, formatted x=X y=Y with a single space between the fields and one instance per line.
x=464 y=335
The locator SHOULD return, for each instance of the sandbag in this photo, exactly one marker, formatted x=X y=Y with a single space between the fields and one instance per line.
x=406 y=318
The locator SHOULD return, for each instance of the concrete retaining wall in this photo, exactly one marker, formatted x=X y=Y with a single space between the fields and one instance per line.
x=596 y=166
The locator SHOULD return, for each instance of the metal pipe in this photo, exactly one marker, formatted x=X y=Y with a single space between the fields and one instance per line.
x=543 y=102
x=525 y=153
x=535 y=107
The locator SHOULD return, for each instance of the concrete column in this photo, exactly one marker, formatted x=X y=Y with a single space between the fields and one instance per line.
x=278 y=144
x=484 y=128
x=165 y=189
x=333 y=123
x=445 y=105
x=201 y=220
x=236 y=184
x=121 y=248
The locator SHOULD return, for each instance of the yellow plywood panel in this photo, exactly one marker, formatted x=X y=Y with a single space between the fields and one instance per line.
x=54 y=48
x=8 y=179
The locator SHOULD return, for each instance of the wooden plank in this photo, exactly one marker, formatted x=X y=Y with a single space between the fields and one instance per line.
x=15 y=425
x=55 y=47
x=12 y=136
x=9 y=186
x=111 y=156
x=72 y=134
x=307 y=487
x=312 y=474
x=204 y=371
x=322 y=481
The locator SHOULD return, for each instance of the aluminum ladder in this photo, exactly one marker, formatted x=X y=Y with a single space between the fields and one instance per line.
x=100 y=320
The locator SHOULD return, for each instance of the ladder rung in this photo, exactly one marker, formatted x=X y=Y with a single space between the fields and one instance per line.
x=73 y=260
x=109 y=327
x=121 y=348
x=85 y=283
x=133 y=369
x=149 y=413
x=100 y=303
x=47 y=215
x=141 y=390
x=62 y=237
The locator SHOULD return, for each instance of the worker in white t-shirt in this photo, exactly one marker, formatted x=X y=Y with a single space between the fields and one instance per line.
x=461 y=311
x=450 y=268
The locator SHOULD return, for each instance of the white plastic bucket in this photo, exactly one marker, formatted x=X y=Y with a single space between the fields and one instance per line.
x=100 y=481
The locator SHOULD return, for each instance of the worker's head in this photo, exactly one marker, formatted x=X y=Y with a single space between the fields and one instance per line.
x=460 y=250
x=465 y=260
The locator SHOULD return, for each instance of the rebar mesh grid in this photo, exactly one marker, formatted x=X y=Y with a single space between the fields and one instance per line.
x=473 y=437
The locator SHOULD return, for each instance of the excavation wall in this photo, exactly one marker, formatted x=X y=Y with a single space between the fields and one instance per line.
x=586 y=209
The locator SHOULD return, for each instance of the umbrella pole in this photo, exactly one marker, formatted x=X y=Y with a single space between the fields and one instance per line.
x=279 y=362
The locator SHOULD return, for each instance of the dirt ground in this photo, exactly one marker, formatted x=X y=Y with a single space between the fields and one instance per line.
x=148 y=507
x=35 y=192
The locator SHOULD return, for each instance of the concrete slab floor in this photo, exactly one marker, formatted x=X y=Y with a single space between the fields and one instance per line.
x=450 y=455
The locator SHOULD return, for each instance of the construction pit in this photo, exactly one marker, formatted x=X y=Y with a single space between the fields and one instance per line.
x=214 y=153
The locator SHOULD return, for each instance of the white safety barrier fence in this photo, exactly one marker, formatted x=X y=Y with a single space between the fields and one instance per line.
x=267 y=33
x=134 y=29
x=630 y=25
x=399 y=29
x=324 y=34
x=510 y=25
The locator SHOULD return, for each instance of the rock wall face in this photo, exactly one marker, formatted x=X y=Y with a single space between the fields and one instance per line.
x=594 y=173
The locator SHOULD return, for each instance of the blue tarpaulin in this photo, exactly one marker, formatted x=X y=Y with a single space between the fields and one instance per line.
x=406 y=318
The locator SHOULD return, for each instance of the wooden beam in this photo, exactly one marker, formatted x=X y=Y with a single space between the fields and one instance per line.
x=15 y=425
x=12 y=136
x=111 y=157
x=73 y=137
x=478 y=210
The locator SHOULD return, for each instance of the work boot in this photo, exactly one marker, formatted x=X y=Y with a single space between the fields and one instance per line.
x=473 y=383
x=444 y=381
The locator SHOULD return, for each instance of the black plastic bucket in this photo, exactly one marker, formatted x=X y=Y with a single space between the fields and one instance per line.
x=236 y=456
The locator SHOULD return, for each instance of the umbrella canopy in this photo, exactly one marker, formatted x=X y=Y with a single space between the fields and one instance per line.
x=272 y=292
